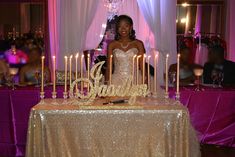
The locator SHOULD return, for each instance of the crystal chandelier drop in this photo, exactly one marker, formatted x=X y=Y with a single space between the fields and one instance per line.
x=113 y=7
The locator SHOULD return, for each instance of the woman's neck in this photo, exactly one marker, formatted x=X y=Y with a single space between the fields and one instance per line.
x=125 y=39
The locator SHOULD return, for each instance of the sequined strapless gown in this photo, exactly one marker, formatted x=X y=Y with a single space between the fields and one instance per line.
x=123 y=65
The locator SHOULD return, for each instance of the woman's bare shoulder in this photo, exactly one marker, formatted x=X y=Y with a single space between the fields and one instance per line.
x=113 y=43
x=138 y=42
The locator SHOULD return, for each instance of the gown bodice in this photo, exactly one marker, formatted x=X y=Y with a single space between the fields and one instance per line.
x=123 y=64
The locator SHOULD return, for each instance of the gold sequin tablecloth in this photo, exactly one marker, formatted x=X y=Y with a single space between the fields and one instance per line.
x=60 y=130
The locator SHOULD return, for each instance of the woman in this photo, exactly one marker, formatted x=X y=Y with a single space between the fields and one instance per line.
x=124 y=48
x=30 y=73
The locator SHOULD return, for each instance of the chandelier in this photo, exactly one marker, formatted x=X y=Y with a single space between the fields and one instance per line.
x=113 y=7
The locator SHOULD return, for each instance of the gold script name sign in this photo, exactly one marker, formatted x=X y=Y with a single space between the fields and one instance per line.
x=127 y=89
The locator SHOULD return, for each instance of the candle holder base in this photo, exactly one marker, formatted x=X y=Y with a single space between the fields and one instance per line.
x=65 y=95
x=166 y=95
x=54 y=95
x=42 y=95
x=154 y=94
x=177 y=96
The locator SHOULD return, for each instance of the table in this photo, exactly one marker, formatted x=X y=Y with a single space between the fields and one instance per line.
x=65 y=130
x=212 y=113
x=15 y=107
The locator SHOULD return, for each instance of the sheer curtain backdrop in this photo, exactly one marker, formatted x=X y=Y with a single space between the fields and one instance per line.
x=53 y=10
x=160 y=16
x=68 y=26
x=97 y=28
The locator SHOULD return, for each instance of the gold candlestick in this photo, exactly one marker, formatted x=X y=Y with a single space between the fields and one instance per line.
x=54 y=78
x=65 y=94
x=42 y=79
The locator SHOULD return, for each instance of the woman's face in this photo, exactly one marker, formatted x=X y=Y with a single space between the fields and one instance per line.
x=124 y=28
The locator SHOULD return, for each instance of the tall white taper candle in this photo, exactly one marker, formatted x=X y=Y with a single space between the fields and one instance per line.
x=110 y=69
x=65 y=73
x=148 y=71
x=133 y=69
x=143 y=69
x=76 y=70
x=70 y=70
x=155 y=74
x=137 y=70
x=42 y=74
x=166 y=74
x=54 y=74
x=178 y=74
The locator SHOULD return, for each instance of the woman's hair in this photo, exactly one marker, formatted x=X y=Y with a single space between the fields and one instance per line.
x=128 y=20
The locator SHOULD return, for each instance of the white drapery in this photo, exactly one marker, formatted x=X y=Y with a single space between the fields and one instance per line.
x=53 y=9
x=68 y=26
x=160 y=16
x=97 y=28
x=75 y=19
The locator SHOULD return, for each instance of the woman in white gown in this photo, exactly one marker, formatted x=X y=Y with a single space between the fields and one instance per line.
x=123 y=49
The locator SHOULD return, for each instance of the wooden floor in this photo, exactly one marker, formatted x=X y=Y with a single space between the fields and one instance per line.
x=216 y=151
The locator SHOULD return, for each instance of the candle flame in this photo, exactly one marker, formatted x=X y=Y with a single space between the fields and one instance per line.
x=156 y=55
x=111 y=56
x=139 y=56
x=43 y=57
x=178 y=55
x=82 y=56
x=88 y=55
x=149 y=56
x=134 y=56
x=167 y=55
x=65 y=57
x=71 y=56
x=77 y=55
x=53 y=57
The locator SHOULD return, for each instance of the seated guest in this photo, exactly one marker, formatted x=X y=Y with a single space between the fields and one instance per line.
x=218 y=65
x=186 y=68
x=31 y=72
x=4 y=70
x=16 y=57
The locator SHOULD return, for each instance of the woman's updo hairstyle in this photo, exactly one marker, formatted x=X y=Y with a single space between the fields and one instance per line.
x=128 y=20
